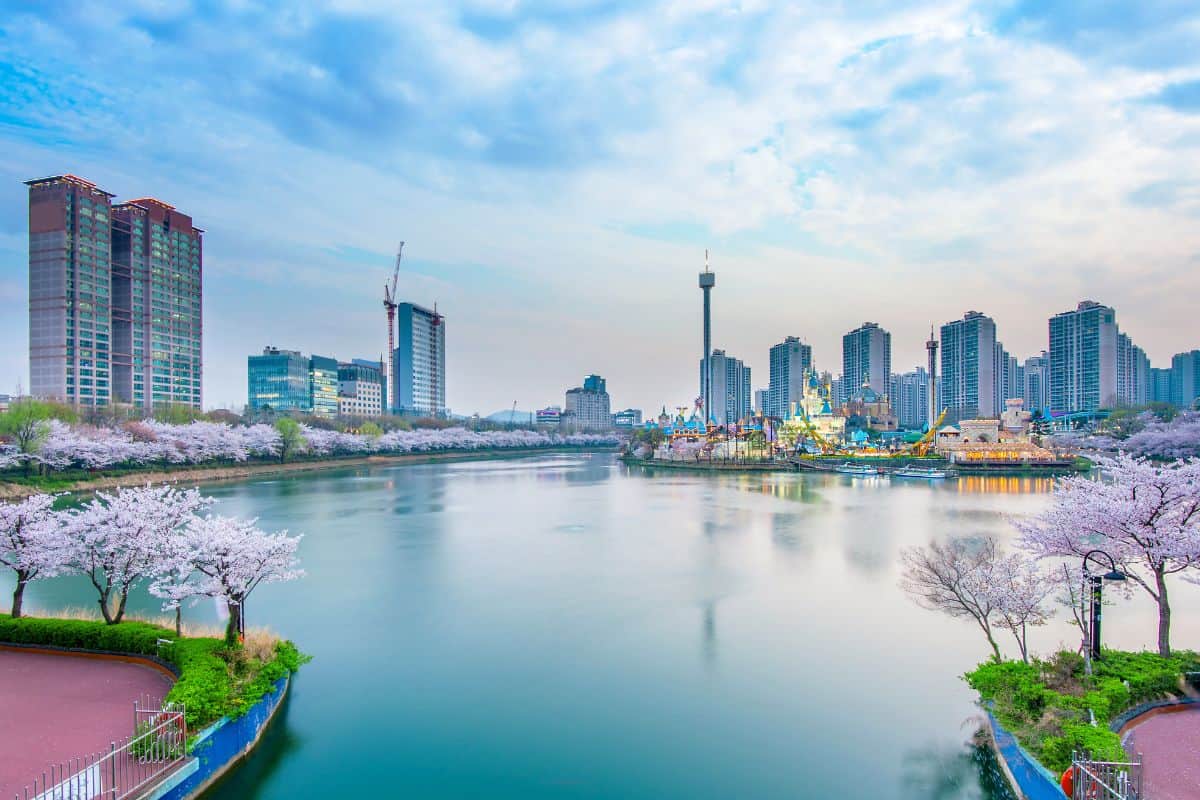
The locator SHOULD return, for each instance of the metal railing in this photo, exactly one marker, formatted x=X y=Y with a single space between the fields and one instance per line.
x=127 y=770
x=1106 y=780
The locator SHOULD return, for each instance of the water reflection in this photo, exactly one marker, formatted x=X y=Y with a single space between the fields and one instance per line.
x=1001 y=484
x=964 y=772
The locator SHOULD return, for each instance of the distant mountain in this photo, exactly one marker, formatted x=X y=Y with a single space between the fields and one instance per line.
x=510 y=417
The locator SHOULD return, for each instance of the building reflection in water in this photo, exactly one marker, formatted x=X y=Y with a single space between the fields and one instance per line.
x=709 y=642
x=1003 y=484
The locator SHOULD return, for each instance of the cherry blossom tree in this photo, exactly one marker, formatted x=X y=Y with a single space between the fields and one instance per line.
x=31 y=542
x=234 y=557
x=1145 y=515
x=63 y=446
x=120 y=539
x=1020 y=593
x=955 y=578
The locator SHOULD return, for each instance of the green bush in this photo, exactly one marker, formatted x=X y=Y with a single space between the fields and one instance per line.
x=1098 y=741
x=214 y=681
x=1050 y=705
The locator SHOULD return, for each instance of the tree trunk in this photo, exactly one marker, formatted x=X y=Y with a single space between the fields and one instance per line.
x=233 y=628
x=987 y=631
x=19 y=594
x=105 y=611
x=121 y=607
x=178 y=621
x=1164 y=614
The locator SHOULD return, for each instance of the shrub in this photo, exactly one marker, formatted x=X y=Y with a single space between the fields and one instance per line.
x=214 y=681
x=1054 y=709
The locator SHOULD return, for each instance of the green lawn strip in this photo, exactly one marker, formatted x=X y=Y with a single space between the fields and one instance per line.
x=1046 y=704
x=215 y=680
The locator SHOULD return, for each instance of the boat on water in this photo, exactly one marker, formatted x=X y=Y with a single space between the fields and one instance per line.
x=928 y=473
x=857 y=469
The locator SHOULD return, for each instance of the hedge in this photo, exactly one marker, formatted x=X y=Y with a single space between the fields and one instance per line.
x=214 y=680
x=1051 y=723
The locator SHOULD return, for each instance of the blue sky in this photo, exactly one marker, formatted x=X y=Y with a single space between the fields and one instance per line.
x=557 y=170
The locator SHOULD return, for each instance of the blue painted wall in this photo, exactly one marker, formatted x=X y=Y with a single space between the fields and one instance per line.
x=1033 y=780
x=220 y=745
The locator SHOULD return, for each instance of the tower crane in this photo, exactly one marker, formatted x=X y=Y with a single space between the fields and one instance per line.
x=389 y=303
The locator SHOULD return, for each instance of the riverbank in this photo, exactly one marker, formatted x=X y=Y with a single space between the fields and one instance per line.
x=198 y=473
x=828 y=466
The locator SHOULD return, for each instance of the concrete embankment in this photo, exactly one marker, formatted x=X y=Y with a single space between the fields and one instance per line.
x=225 y=472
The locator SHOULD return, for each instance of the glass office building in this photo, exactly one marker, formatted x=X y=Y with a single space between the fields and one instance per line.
x=278 y=381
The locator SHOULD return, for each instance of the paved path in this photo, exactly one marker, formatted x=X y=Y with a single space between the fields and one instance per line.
x=1170 y=743
x=54 y=707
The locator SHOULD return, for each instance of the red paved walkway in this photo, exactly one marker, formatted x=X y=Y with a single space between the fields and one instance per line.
x=55 y=707
x=1170 y=743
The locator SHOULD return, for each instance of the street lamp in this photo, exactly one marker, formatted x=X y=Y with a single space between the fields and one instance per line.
x=1096 y=582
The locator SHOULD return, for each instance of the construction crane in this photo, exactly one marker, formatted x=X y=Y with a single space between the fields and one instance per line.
x=389 y=303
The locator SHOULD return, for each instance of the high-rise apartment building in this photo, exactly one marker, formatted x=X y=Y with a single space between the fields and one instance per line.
x=588 y=406
x=419 y=383
x=731 y=388
x=157 y=313
x=1133 y=373
x=1160 y=385
x=866 y=358
x=761 y=401
x=1083 y=358
x=968 y=381
x=114 y=298
x=1185 y=378
x=791 y=360
x=909 y=396
x=1037 y=382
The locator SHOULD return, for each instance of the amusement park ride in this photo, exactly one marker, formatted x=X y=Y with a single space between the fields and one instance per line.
x=809 y=441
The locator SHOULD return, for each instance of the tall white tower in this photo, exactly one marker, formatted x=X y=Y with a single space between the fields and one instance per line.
x=708 y=279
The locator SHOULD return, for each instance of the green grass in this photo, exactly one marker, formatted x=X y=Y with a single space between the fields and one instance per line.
x=1049 y=705
x=215 y=680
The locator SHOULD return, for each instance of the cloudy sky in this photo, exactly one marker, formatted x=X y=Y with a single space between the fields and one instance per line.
x=558 y=169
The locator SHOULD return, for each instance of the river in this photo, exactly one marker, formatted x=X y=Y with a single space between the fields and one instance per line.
x=564 y=626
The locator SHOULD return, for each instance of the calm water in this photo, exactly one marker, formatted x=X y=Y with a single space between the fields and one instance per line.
x=563 y=626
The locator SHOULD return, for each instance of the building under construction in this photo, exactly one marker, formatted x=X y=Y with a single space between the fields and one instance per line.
x=419 y=362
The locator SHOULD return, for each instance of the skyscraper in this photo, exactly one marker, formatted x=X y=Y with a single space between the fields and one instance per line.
x=1037 y=382
x=790 y=360
x=114 y=298
x=156 y=268
x=968 y=383
x=910 y=399
x=866 y=358
x=1185 y=378
x=419 y=385
x=1083 y=358
x=731 y=388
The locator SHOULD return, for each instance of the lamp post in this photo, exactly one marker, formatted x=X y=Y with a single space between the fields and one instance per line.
x=1095 y=584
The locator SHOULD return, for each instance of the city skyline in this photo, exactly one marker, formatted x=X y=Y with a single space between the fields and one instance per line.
x=920 y=188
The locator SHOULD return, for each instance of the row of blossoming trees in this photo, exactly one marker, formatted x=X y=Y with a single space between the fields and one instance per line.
x=56 y=445
x=153 y=534
x=1143 y=513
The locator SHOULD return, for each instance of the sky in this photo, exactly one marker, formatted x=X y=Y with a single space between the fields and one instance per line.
x=557 y=171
